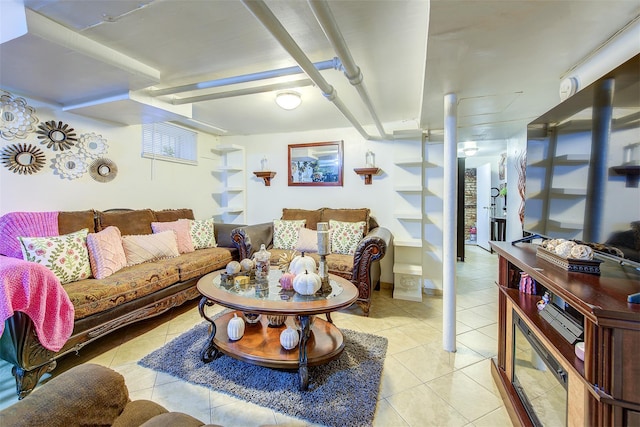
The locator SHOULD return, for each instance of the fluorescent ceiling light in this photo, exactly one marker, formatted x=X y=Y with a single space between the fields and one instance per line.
x=288 y=100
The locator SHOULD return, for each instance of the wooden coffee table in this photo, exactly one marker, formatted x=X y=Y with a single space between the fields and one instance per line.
x=320 y=341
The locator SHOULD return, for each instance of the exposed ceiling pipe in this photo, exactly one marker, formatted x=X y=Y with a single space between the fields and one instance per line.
x=241 y=92
x=52 y=31
x=262 y=75
x=260 y=10
x=327 y=22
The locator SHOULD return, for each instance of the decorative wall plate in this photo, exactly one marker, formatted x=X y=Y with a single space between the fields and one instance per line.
x=17 y=119
x=22 y=158
x=103 y=170
x=92 y=145
x=69 y=165
x=58 y=136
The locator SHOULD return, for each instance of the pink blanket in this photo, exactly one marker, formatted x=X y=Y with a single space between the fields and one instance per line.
x=25 y=224
x=34 y=290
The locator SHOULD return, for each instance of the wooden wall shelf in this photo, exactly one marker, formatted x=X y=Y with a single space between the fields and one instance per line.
x=266 y=176
x=367 y=173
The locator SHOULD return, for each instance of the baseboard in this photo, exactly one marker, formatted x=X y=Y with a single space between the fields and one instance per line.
x=431 y=292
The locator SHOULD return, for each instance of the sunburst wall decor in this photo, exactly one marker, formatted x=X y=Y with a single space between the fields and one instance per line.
x=17 y=119
x=103 y=170
x=59 y=136
x=22 y=159
x=92 y=146
x=69 y=165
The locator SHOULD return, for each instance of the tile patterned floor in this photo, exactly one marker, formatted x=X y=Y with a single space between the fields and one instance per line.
x=422 y=385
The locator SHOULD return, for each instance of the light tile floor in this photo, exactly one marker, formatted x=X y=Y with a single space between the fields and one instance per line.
x=422 y=385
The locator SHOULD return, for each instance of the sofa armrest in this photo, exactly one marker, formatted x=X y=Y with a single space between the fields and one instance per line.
x=247 y=239
x=370 y=250
x=87 y=394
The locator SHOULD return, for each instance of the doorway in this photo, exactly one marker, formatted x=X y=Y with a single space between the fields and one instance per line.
x=483 y=205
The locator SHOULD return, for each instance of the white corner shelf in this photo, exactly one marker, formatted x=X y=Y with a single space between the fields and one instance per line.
x=409 y=189
x=408 y=215
x=232 y=192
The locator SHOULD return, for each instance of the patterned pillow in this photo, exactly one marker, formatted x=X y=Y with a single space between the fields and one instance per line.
x=106 y=253
x=66 y=256
x=285 y=233
x=150 y=247
x=202 y=233
x=182 y=230
x=345 y=236
x=307 y=240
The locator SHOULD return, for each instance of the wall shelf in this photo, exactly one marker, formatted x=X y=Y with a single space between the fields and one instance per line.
x=367 y=173
x=232 y=193
x=266 y=176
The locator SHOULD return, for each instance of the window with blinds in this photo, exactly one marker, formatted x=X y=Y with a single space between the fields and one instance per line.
x=164 y=141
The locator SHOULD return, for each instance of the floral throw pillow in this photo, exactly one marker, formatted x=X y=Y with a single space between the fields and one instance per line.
x=66 y=256
x=202 y=233
x=285 y=233
x=345 y=236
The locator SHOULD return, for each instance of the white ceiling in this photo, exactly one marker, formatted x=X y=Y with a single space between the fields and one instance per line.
x=503 y=59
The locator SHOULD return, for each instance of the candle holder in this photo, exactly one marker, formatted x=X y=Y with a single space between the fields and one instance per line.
x=323 y=251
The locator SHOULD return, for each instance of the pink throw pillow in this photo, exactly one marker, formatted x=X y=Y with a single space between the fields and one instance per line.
x=307 y=240
x=106 y=254
x=182 y=230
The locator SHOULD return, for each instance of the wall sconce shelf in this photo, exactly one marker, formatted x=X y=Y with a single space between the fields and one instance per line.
x=367 y=173
x=266 y=176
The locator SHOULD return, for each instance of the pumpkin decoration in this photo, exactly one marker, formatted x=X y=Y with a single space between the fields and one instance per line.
x=286 y=281
x=302 y=263
x=233 y=268
x=276 y=320
x=285 y=260
x=246 y=264
x=235 y=328
x=289 y=338
x=307 y=283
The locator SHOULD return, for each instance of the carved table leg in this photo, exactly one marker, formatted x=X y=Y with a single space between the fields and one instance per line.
x=329 y=317
x=209 y=352
x=303 y=370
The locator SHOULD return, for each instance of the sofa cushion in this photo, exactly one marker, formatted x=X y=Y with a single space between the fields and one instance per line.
x=200 y=262
x=150 y=247
x=128 y=222
x=202 y=233
x=168 y=215
x=182 y=230
x=92 y=296
x=313 y=217
x=71 y=221
x=285 y=233
x=106 y=253
x=138 y=412
x=66 y=256
x=347 y=215
x=345 y=236
x=341 y=265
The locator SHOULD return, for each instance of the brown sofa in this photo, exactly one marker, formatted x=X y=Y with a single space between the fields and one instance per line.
x=90 y=395
x=131 y=294
x=362 y=268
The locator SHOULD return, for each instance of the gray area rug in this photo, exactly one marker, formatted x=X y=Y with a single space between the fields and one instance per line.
x=343 y=392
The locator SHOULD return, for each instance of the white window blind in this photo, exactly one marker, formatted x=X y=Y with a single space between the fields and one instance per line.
x=164 y=141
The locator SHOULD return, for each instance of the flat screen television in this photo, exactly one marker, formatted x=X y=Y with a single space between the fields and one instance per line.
x=583 y=165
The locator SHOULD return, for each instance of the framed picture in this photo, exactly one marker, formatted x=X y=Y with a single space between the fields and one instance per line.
x=316 y=164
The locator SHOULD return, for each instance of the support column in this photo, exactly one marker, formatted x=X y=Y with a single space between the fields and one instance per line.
x=449 y=223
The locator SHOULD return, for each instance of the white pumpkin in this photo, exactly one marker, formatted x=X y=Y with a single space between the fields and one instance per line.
x=302 y=263
x=307 y=283
x=246 y=264
x=289 y=338
x=233 y=267
x=235 y=327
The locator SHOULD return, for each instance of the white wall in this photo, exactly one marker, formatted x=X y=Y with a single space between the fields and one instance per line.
x=140 y=183
x=516 y=145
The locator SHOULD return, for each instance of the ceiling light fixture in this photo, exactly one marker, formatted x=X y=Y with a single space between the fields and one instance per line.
x=470 y=148
x=288 y=100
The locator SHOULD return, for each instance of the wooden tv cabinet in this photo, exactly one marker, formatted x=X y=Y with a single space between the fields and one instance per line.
x=604 y=390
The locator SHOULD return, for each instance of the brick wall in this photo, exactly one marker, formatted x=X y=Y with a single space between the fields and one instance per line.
x=469 y=201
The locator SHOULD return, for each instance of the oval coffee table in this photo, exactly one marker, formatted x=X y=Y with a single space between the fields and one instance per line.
x=320 y=341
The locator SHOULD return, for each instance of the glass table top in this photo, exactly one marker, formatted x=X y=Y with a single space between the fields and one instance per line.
x=271 y=289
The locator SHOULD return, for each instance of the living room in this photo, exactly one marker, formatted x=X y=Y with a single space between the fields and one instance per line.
x=263 y=131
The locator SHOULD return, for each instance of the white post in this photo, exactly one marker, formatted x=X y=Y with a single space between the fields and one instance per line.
x=449 y=223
